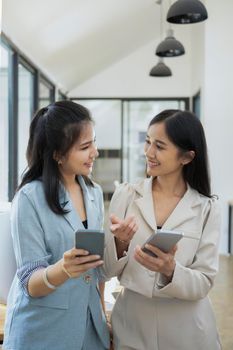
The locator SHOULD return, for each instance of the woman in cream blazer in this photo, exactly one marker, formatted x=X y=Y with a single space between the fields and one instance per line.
x=164 y=304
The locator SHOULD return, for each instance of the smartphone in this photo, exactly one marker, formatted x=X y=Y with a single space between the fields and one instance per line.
x=163 y=239
x=90 y=240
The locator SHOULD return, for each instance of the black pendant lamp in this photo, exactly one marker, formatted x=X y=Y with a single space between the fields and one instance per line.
x=170 y=47
x=187 y=11
x=160 y=70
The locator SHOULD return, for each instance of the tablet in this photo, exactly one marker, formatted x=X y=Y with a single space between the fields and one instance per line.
x=163 y=239
x=90 y=240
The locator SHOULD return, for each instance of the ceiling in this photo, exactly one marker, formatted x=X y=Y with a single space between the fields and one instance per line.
x=72 y=40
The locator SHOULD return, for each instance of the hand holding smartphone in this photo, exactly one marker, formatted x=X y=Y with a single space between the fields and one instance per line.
x=90 y=240
x=163 y=239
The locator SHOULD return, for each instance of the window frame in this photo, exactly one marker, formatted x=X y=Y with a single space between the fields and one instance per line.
x=49 y=85
x=123 y=101
x=16 y=57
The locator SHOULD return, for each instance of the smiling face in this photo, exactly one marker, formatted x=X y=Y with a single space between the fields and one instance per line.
x=163 y=158
x=81 y=156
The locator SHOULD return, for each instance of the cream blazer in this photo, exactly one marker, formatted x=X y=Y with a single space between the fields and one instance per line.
x=198 y=217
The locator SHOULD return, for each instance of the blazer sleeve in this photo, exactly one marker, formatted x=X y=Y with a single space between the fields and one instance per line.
x=100 y=201
x=28 y=238
x=100 y=270
x=194 y=282
x=118 y=206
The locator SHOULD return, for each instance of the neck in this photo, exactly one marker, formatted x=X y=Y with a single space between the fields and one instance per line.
x=170 y=186
x=69 y=181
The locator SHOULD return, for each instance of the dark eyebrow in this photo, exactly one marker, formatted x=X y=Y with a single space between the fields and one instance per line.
x=163 y=143
x=158 y=141
x=87 y=142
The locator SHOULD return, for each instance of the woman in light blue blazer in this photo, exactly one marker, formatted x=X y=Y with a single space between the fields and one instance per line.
x=54 y=301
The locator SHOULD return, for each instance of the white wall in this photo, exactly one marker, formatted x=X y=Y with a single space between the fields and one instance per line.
x=218 y=101
x=0 y=16
x=197 y=57
x=206 y=66
x=130 y=76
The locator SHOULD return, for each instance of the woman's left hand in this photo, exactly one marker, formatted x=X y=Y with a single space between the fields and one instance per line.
x=163 y=263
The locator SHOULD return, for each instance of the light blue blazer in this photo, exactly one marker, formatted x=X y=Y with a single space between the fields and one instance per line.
x=40 y=237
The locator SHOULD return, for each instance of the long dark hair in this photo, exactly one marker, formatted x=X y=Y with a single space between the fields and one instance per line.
x=185 y=131
x=54 y=128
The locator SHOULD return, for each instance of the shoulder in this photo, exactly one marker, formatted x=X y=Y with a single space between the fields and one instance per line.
x=211 y=213
x=33 y=192
x=208 y=204
x=129 y=191
x=32 y=187
x=28 y=202
x=125 y=189
x=212 y=205
x=123 y=197
x=209 y=201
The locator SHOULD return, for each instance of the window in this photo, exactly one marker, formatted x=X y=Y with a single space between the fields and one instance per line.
x=120 y=132
x=197 y=104
x=108 y=125
x=23 y=89
x=46 y=93
x=25 y=110
x=137 y=115
x=4 y=128
x=61 y=96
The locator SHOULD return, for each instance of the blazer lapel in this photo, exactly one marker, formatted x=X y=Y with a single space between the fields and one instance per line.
x=184 y=209
x=145 y=202
x=182 y=212
x=90 y=205
x=72 y=216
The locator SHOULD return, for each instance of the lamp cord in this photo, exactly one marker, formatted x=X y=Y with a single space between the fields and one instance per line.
x=169 y=24
x=161 y=21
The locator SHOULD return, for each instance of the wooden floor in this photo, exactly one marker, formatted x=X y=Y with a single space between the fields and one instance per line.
x=222 y=299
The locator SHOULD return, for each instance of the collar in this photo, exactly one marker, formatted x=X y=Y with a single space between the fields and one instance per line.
x=64 y=197
x=181 y=213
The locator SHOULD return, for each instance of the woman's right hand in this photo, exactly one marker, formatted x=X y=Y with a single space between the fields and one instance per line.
x=123 y=230
x=77 y=261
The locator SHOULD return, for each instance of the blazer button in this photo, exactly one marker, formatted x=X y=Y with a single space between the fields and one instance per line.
x=87 y=278
x=151 y=273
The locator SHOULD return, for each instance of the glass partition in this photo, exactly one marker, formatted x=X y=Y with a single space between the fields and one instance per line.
x=108 y=125
x=46 y=93
x=61 y=96
x=25 y=102
x=4 y=128
x=137 y=115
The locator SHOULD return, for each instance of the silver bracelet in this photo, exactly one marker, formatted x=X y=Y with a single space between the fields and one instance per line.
x=45 y=279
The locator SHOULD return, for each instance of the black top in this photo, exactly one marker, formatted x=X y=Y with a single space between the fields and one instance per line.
x=85 y=223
